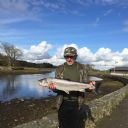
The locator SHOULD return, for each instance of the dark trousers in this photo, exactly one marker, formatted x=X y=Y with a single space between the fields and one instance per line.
x=70 y=116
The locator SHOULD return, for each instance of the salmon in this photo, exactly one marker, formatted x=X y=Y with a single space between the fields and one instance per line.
x=66 y=85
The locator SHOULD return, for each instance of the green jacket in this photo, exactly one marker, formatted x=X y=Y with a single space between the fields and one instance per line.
x=82 y=70
x=82 y=74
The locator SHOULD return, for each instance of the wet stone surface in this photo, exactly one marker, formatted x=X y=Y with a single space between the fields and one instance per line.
x=21 y=111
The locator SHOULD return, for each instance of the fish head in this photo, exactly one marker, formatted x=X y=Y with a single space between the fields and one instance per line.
x=43 y=82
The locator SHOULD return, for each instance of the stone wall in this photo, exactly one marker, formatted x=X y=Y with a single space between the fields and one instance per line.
x=103 y=106
x=98 y=108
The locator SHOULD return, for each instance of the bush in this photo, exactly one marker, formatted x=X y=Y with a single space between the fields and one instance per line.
x=17 y=68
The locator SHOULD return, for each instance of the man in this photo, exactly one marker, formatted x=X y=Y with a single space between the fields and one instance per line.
x=69 y=105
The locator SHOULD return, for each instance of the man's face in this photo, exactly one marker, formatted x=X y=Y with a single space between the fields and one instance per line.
x=70 y=60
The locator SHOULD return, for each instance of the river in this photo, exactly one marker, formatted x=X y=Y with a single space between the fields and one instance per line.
x=23 y=87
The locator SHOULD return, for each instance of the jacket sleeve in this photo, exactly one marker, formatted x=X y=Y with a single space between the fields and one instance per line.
x=84 y=75
x=59 y=75
x=59 y=72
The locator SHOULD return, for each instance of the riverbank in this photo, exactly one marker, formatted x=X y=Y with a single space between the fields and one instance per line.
x=25 y=70
x=20 y=111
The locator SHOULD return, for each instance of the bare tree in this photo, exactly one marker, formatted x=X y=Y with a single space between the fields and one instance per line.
x=11 y=52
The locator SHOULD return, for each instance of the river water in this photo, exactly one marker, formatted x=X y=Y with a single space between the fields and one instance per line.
x=23 y=87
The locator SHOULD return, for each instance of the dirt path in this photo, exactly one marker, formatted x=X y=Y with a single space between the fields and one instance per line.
x=118 y=118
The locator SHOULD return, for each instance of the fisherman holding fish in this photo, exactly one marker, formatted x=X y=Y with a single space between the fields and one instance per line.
x=69 y=102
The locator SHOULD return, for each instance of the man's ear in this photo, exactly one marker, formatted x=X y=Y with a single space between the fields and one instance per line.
x=75 y=57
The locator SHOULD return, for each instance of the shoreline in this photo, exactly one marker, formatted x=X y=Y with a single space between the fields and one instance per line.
x=26 y=71
x=20 y=111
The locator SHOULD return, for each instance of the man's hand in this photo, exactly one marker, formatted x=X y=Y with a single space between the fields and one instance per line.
x=93 y=83
x=52 y=86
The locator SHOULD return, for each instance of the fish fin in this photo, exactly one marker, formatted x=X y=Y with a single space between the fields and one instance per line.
x=67 y=91
x=82 y=90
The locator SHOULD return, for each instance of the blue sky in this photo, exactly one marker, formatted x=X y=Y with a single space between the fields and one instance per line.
x=91 y=24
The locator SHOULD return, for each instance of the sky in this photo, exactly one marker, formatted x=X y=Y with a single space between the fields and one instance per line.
x=42 y=29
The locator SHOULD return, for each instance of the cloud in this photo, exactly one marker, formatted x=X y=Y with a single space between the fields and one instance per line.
x=13 y=8
x=125 y=26
x=107 y=12
x=13 y=11
x=48 y=4
x=36 y=53
x=12 y=5
x=101 y=2
x=107 y=1
x=85 y=55
x=96 y=22
x=27 y=7
x=103 y=54
x=111 y=2
x=124 y=54
x=102 y=58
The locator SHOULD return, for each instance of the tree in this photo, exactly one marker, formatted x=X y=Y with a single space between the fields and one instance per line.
x=11 y=52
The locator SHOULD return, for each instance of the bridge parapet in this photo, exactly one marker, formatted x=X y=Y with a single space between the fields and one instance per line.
x=103 y=106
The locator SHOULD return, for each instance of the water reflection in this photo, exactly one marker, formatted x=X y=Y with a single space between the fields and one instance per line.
x=23 y=86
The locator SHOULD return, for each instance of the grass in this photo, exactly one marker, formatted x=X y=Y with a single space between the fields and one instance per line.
x=98 y=73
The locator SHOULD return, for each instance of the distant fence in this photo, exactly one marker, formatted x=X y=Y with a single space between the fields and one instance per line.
x=119 y=74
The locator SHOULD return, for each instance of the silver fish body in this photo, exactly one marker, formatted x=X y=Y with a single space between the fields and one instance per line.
x=65 y=85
